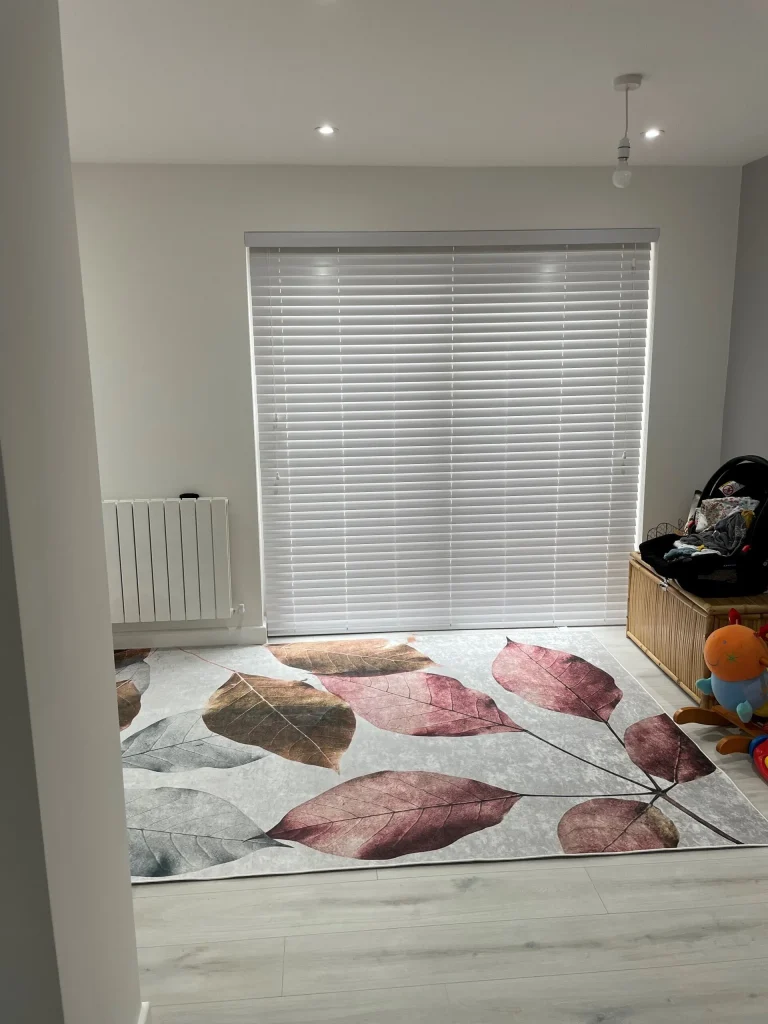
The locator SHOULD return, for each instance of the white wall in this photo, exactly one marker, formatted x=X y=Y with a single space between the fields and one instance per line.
x=745 y=425
x=29 y=977
x=48 y=443
x=164 y=278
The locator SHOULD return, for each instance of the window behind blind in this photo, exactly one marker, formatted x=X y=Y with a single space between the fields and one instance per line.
x=449 y=436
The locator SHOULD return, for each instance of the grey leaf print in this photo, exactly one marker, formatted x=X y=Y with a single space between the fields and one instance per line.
x=172 y=831
x=183 y=742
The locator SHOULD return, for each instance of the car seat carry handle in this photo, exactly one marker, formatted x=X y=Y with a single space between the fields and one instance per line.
x=732 y=464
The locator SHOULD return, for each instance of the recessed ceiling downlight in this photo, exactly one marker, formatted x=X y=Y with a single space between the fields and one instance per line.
x=653 y=133
x=326 y=129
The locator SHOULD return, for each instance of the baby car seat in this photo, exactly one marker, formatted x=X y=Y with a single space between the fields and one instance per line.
x=746 y=571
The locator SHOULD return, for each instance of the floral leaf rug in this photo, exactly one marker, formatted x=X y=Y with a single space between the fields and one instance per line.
x=443 y=747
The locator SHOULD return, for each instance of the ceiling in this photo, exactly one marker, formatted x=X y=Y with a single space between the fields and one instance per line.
x=414 y=82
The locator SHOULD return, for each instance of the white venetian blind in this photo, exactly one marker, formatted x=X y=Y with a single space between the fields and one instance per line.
x=451 y=436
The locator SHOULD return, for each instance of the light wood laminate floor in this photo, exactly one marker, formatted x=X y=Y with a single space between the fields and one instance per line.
x=637 y=939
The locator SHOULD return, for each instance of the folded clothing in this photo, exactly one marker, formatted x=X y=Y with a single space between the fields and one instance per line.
x=713 y=510
x=725 y=538
x=687 y=551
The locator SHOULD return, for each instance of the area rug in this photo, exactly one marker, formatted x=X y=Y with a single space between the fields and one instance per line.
x=442 y=747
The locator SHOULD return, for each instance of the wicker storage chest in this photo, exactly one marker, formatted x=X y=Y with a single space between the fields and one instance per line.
x=671 y=625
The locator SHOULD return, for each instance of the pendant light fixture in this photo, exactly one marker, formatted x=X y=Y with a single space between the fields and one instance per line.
x=626 y=84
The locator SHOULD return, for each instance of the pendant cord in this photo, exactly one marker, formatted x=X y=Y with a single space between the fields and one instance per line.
x=626 y=112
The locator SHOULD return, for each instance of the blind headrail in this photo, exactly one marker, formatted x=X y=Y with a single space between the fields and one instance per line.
x=424 y=239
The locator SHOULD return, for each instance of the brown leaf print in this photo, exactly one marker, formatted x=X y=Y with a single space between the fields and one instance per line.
x=130 y=656
x=128 y=702
x=615 y=826
x=420 y=704
x=367 y=657
x=556 y=681
x=286 y=717
x=390 y=814
x=661 y=748
x=132 y=679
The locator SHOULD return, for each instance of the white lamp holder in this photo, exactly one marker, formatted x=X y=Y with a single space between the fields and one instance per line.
x=628 y=82
x=625 y=84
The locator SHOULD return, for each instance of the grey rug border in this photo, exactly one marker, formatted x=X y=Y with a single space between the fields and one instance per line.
x=557 y=858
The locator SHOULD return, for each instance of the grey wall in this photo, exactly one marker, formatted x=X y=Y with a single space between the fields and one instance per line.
x=48 y=442
x=165 y=295
x=745 y=422
x=29 y=977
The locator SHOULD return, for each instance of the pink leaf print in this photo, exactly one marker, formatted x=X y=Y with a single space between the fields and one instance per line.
x=389 y=814
x=661 y=748
x=615 y=826
x=420 y=704
x=556 y=681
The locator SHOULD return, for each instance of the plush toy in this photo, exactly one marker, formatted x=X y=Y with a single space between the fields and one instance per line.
x=737 y=657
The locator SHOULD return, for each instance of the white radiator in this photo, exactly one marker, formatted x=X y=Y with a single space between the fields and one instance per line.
x=168 y=559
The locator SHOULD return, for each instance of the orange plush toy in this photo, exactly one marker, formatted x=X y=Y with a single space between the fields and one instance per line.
x=737 y=657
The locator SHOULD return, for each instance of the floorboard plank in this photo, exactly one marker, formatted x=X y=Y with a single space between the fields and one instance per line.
x=399 y=902
x=697 y=883
x=670 y=995
x=685 y=995
x=423 y=1005
x=522 y=949
x=211 y=971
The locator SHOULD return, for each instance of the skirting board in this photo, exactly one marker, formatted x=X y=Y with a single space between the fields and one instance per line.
x=221 y=637
x=145 y=1014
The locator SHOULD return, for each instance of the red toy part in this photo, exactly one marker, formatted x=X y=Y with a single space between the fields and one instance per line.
x=758 y=749
x=734 y=617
